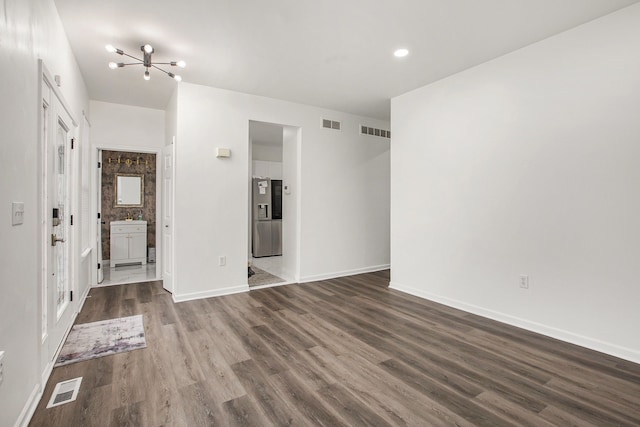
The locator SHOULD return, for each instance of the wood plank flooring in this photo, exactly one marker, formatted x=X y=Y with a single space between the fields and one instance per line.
x=342 y=352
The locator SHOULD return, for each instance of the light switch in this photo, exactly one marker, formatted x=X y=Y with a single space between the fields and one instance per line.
x=17 y=213
x=1 y=366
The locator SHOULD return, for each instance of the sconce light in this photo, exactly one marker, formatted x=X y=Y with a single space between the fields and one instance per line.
x=129 y=162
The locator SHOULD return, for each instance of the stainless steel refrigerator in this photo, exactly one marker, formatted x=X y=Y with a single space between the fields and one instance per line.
x=267 y=231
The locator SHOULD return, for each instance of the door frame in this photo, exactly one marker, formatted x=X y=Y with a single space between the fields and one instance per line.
x=98 y=221
x=294 y=231
x=97 y=193
x=169 y=280
x=46 y=366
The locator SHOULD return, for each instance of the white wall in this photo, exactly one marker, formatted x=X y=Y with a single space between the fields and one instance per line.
x=528 y=165
x=171 y=118
x=267 y=169
x=345 y=190
x=291 y=142
x=117 y=125
x=31 y=29
x=84 y=258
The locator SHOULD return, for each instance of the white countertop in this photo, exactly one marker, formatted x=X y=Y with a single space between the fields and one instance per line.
x=125 y=222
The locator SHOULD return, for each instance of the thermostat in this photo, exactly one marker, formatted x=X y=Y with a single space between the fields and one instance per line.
x=223 y=152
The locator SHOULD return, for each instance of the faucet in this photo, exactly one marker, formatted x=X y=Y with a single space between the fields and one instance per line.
x=129 y=217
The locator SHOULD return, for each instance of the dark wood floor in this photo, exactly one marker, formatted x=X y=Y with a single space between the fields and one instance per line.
x=339 y=352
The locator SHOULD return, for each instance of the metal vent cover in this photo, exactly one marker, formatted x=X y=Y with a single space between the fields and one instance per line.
x=331 y=124
x=65 y=392
x=367 y=130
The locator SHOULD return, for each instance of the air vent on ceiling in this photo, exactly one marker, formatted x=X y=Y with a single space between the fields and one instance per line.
x=331 y=124
x=366 y=130
x=65 y=392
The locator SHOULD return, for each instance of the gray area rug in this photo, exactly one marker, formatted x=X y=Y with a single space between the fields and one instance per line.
x=103 y=338
x=263 y=278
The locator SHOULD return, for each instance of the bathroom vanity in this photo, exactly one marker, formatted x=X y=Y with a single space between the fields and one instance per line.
x=128 y=243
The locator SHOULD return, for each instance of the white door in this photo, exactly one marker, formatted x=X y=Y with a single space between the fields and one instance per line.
x=58 y=170
x=167 y=217
x=100 y=220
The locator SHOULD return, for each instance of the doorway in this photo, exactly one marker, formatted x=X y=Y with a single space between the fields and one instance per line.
x=273 y=234
x=127 y=205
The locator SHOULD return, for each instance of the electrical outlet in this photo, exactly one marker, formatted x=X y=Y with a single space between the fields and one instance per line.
x=222 y=261
x=524 y=281
x=1 y=366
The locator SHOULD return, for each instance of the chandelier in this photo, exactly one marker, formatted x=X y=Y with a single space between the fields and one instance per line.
x=147 y=51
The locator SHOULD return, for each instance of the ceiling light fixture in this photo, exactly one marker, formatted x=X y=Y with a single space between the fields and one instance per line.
x=147 y=51
x=401 y=53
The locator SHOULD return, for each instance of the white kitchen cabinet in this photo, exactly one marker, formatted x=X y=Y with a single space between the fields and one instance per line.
x=265 y=169
x=128 y=243
x=260 y=168
x=275 y=170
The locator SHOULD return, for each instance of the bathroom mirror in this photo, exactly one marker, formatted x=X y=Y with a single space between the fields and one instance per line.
x=129 y=190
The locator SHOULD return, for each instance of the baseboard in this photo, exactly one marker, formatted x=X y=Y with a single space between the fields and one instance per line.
x=83 y=299
x=30 y=407
x=210 y=293
x=125 y=282
x=560 y=334
x=327 y=276
x=245 y=288
x=272 y=285
x=47 y=372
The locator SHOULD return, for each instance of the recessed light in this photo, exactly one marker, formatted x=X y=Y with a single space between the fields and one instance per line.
x=401 y=53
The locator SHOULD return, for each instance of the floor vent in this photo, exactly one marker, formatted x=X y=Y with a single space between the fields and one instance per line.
x=65 y=392
x=331 y=124
x=382 y=133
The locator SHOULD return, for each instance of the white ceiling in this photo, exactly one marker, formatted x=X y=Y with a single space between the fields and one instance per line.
x=330 y=53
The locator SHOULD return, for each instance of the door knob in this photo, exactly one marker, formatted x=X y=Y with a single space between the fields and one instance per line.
x=55 y=239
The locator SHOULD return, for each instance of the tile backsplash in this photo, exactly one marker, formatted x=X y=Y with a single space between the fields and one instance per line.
x=147 y=167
